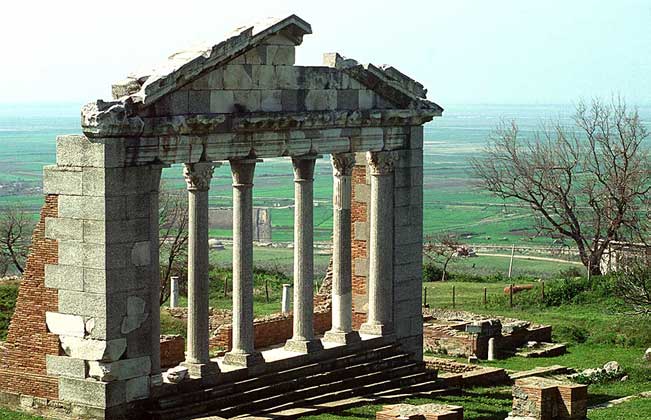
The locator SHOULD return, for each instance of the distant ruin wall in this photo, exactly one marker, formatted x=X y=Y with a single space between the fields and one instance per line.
x=222 y=218
x=23 y=358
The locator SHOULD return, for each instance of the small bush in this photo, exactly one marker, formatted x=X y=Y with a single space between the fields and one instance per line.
x=8 y=296
x=571 y=333
x=432 y=272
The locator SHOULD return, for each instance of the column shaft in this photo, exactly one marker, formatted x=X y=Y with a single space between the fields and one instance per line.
x=197 y=357
x=154 y=238
x=243 y=351
x=342 y=298
x=380 y=272
x=303 y=335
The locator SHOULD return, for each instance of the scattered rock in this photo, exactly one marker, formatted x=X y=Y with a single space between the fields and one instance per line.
x=473 y=360
x=647 y=355
x=624 y=378
x=612 y=367
x=176 y=374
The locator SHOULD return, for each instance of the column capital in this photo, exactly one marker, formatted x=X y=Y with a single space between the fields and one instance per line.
x=198 y=175
x=381 y=163
x=242 y=171
x=304 y=167
x=343 y=163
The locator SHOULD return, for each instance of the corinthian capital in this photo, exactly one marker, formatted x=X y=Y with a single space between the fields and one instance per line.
x=198 y=175
x=381 y=163
x=343 y=164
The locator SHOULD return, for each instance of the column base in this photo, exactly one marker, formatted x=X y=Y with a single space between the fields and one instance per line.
x=303 y=346
x=156 y=379
x=341 y=337
x=243 y=359
x=202 y=370
x=376 y=329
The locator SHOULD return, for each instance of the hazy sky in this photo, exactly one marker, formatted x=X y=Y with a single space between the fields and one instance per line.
x=463 y=51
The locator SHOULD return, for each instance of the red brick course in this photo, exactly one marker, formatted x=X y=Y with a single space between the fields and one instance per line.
x=172 y=350
x=359 y=213
x=22 y=366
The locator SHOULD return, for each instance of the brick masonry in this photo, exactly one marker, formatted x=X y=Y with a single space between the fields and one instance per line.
x=172 y=350
x=547 y=399
x=22 y=369
x=359 y=219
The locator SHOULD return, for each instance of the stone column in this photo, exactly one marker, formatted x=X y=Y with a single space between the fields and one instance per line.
x=243 y=352
x=303 y=340
x=342 y=297
x=197 y=358
x=154 y=238
x=174 y=291
x=380 y=271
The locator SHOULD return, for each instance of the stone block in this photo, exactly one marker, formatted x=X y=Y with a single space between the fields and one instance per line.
x=283 y=55
x=222 y=101
x=141 y=254
x=271 y=100
x=139 y=340
x=65 y=324
x=74 y=150
x=278 y=39
x=264 y=77
x=287 y=77
x=112 y=280
x=119 y=181
x=82 y=303
x=199 y=102
x=179 y=102
x=416 y=137
x=257 y=55
x=92 y=208
x=123 y=231
x=136 y=314
x=98 y=350
x=360 y=267
x=65 y=366
x=211 y=81
x=119 y=370
x=348 y=99
x=360 y=230
x=362 y=193
x=366 y=99
x=92 y=393
x=321 y=100
x=64 y=277
x=63 y=229
x=247 y=100
x=138 y=206
x=238 y=76
x=62 y=180
x=137 y=388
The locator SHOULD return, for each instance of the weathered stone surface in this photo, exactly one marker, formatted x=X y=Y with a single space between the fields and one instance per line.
x=87 y=349
x=62 y=180
x=136 y=314
x=63 y=324
x=176 y=374
x=119 y=370
x=137 y=388
x=66 y=366
x=91 y=392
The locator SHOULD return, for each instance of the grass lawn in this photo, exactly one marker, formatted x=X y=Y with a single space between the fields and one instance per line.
x=12 y=415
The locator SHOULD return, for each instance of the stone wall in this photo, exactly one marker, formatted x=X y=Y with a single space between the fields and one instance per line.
x=23 y=357
x=222 y=218
x=359 y=219
x=420 y=412
x=272 y=330
x=547 y=399
x=172 y=350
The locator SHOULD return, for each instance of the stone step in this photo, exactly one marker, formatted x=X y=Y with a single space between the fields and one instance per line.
x=244 y=385
x=279 y=388
x=339 y=398
x=375 y=381
x=296 y=410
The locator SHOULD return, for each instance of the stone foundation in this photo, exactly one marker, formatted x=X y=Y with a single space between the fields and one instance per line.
x=545 y=399
x=420 y=412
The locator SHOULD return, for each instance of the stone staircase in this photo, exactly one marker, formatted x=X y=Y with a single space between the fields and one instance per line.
x=374 y=366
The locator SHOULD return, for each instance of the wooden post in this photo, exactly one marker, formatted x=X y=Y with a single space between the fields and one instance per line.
x=453 y=297
x=485 y=296
x=511 y=295
x=511 y=261
x=542 y=290
x=589 y=270
x=425 y=298
x=266 y=289
x=225 y=286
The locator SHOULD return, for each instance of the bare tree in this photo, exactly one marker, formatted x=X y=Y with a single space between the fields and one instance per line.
x=441 y=250
x=173 y=215
x=589 y=183
x=634 y=286
x=15 y=237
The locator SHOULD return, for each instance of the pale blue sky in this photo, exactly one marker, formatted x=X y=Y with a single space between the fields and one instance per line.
x=463 y=51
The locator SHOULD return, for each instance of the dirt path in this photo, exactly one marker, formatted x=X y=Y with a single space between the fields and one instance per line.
x=530 y=257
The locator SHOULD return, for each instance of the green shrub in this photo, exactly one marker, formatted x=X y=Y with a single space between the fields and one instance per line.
x=432 y=272
x=571 y=333
x=8 y=296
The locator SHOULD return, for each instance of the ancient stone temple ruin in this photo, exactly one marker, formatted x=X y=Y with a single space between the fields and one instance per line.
x=85 y=337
